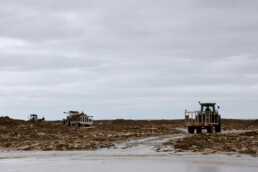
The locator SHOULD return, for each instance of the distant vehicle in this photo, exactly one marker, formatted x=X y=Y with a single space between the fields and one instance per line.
x=34 y=118
x=74 y=118
x=207 y=118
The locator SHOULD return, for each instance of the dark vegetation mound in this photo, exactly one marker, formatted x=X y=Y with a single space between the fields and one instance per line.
x=237 y=124
x=8 y=121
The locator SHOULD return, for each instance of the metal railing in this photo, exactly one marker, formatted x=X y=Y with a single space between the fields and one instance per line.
x=201 y=117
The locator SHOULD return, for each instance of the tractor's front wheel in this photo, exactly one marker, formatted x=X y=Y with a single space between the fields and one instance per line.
x=191 y=130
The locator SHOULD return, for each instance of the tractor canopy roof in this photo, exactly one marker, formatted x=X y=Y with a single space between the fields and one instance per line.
x=33 y=115
x=207 y=104
x=73 y=111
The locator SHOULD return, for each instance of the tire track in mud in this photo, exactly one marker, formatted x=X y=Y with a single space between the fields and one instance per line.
x=151 y=144
x=157 y=144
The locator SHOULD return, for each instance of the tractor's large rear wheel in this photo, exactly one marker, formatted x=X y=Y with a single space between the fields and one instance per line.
x=191 y=130
x=199 y=130
x=218 y=127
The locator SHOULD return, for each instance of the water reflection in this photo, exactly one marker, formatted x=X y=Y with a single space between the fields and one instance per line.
x=198 y=167
x=208 y=169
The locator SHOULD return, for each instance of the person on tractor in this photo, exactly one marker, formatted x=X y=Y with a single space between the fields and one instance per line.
x=207 y=109
x=43 y=120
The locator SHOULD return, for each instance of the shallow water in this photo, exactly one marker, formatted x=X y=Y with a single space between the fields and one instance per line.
x=136 y=155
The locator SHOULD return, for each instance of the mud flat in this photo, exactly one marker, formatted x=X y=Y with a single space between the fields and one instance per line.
x=23 y=135
x=245 y=142
x=122 y=145
x=134 y=155
x=238 y=136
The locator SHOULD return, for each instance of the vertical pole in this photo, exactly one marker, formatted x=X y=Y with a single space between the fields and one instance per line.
x=201 y=116
x=185 y=116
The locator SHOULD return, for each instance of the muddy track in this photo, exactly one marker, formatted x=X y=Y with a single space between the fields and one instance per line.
x=155 y=143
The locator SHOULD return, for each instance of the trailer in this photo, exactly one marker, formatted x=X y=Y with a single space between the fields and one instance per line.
x=74 y=118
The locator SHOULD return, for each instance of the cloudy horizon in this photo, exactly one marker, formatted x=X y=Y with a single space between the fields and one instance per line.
x=128 y=59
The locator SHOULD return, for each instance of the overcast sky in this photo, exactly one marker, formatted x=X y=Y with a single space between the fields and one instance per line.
x=134 y=59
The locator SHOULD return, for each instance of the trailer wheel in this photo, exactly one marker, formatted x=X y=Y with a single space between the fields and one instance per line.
x=218 y=127
x=199 y=130
x=191 y=130
x=209 y=129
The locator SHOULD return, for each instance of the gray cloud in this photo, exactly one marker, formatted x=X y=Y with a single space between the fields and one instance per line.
x=131 y=59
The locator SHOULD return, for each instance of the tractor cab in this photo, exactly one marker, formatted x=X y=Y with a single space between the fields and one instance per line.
x=72 y=113
x=208 y=107
x=33 y=117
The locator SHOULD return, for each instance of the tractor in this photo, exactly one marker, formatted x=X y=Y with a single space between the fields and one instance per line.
x=34 y=118
x=207 y=118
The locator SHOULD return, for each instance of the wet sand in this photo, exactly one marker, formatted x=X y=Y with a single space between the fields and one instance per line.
x=135 y=155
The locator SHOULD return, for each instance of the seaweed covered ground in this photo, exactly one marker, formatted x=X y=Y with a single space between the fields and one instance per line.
x=25 y=135
x=238 y=136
